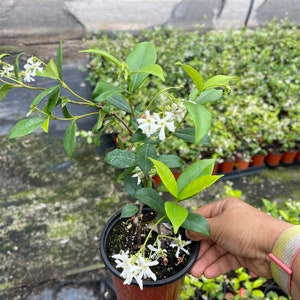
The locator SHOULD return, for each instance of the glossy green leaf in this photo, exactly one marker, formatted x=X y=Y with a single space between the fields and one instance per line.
x=66 y=112
x=42 y=95
x=195 y=76
x=202 y=119
x=142 y=157
x=16 y=65
x=218 y=81
x=45 y=125
x=4 y=89
x=171 y=160
x=166 y=177
x=59 y=59
x=106 y=55
x=197 y=185
x=53 y=100
x=51 y=71
x=151 y=198
x=130 y=184
x=154 y=69
x=129 y=210
x=258 y=294
x=121 y=158
x=26 y=126
x=143 y=55
x=70 y=138
x=176 y=213
x=197 y=169
x=119 y=102
x=197 y=223
x=186 y=134
x=211 y=95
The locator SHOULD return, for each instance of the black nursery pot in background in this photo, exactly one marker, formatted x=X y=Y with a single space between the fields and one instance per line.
x=161 y=289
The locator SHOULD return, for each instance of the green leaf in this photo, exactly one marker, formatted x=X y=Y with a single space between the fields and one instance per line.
x=171 y=160
x=59 y=59
x=3 y=55
x=121 y=158
x=26 y=126
x=209 y=96
x=142 y=157
x=4 y=89
x=45 y=125
x=129 y=210
x=221 y=81
x=53 y=100
x=166 y=177
x=151 y=198
x=119 y=102
x=176 y=213
x=70 y=138
x=51 y=71
x=104 y=90
x=258 y=282
x=100 y=118
x=106 y=55
x=130 y=185
x=154 y=69
x=197 y=169
x=259 y=294
x=202 y=119
x=143 y=55
x=42 y=95
x=186 y=134
x=66 y=112
x=197 y=185
x=194 y=75
x=16 y=65
x=197 y=223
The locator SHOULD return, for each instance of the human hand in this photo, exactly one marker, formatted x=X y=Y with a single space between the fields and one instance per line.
x=240 y=235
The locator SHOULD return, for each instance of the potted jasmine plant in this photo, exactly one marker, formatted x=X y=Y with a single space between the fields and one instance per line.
x=144 y=244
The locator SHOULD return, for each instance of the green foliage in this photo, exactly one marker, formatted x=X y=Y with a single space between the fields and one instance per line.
x=264 y=106
x=179 y=113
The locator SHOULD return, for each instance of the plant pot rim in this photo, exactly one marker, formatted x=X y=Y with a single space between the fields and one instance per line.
x=147 y=283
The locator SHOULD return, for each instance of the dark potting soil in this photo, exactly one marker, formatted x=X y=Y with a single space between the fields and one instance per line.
x=124 y=236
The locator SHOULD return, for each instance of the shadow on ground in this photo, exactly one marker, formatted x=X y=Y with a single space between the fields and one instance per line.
x=53 y=209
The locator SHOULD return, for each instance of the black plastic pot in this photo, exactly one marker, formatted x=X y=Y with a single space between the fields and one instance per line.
x=165 y=289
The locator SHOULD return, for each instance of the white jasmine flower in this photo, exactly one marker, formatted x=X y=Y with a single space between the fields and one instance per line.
x=124 y=262
x=138 y=174
x=166 y=122
x=147 y=124
x=135 y=267
x=156 y=252
x=180 y=244
x=179 y=111
x=6 y=70
x=31 y=67
x=145 y=271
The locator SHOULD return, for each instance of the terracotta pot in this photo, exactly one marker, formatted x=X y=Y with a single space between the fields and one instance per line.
x=258 y=160
x=273 y=159
x=164 y=289
x=288 y=157
x=242 y=164
x=157 y=179
x=226 y=166
x=215 y=169
x=297 y=158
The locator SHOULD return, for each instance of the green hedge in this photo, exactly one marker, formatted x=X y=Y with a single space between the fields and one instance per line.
x=263 y=107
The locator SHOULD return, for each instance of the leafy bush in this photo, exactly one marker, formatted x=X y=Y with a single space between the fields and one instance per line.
x=264 y=106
